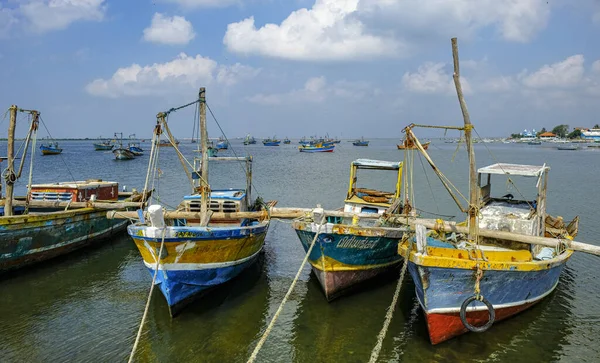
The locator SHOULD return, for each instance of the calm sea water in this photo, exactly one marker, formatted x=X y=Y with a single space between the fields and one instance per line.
x=87 y=306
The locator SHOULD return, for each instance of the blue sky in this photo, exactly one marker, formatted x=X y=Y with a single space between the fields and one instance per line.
x=300 y=67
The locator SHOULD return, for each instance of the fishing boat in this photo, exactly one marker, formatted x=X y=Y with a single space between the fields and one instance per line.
x=481 y=273
x=135 y=149
x=271 y=141
x=568 y=147
x=350 y=251
x=103 y=145
x=222 y=144
x=167 y=143
x=249 y=140
x=304 y=141
x=408 y=145
x=534 y=142
x=287 y=141
x=317 y=148
x=200 y=252
x=122 y=153
x=54 y=218
x=360 y=142
x=51 y=149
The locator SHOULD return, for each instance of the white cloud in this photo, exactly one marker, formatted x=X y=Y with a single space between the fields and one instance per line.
x=432 y=78
x=327 y=31
x=514 y=20
x=596 y=66
x=204 y=3
x=567 y=73
x=497 y=84
x=169 y=30
x=183 y=72
x=316 y=90
x=8 y=19
x=47 y=15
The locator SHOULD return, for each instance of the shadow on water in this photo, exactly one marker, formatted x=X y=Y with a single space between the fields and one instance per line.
x=216 y=327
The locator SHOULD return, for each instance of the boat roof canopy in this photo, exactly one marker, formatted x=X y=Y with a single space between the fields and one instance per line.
x=514 y=169
x=377 y=164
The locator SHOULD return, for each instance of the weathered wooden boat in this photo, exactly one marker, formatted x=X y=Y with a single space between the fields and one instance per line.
x=287 y=141
x=271 y=142
x=408 y=145
x=360 y=142
x=46 y=223
x=199 y=254
x=350 y=251
x=465 y=282
x=316 y=148
x=51 y=149
x=123 y=154
x=249 y=140
x=103 y=145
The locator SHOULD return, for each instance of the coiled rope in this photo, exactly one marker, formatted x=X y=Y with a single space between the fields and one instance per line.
x=263 y=338
x=139 y=333
x=390 y=310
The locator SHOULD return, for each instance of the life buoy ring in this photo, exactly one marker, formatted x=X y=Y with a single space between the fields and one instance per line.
x=463 y=314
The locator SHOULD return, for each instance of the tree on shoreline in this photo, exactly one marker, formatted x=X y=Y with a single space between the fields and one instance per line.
x=561 y=130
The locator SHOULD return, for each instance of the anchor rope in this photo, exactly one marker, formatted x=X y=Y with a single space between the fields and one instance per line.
x=263 y=338
x=390 y=311
x=139 y=333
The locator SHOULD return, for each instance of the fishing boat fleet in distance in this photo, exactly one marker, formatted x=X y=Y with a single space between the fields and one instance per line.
x=504 y=256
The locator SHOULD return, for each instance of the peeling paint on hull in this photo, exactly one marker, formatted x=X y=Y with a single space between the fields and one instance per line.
x=33 y=238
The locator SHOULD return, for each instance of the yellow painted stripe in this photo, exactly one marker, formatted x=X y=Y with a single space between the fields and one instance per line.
x=497 y=260
x=328 y=264
x=205 y=251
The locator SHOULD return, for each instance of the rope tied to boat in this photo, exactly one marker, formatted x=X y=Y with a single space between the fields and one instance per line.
x=390 y=310
x=265 y=335
x=139 y=333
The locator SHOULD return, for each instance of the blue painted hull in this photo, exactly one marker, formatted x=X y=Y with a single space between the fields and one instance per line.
x=309 y=149
x=272 y=143
x=342 y=261
x=360 y=143
x=222 y=145
x=50 y=150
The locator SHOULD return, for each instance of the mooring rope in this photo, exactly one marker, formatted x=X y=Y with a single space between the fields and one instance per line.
x=139 y=333
x=263 y=338
x=390 y=310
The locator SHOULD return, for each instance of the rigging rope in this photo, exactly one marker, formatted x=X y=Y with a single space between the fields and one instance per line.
x=390 y=311
x=61 y=156
x=263 y=338
x=139 y=333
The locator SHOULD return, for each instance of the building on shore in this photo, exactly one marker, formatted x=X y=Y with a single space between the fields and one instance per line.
x=590 y=134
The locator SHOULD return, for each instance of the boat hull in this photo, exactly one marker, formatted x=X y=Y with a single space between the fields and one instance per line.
x=100 y=147
x=50 y=151
x=28 y=239
x=360 y=143
x=196 y=259
x=345 y=256
x=310 y=149
x=123 y=154
x=509 y=287
x=271 y=143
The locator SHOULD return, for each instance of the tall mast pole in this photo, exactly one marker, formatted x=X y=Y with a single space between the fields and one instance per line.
x=473 y=202
x=10 y=176
x=204 y=187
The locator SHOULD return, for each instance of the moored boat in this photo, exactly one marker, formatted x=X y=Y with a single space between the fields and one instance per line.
x=249 y=140
x=200 y=253
x=316 y=148
x=135 y=149
x=287 y=141
x=51 y=149
x=271 y=141
x=222 y=144
x=103 y=145
x=51 y=221
x=350 y=251
x=360 y=142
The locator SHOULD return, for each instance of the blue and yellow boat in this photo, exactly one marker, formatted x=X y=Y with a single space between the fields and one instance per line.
x=317 y=148
x=200 y=251
x=51 y=149
x=350 y=251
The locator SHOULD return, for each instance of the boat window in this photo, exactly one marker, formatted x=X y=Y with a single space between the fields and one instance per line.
x=368 y=210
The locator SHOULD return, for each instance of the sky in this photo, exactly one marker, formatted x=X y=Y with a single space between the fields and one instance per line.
x=347 y=68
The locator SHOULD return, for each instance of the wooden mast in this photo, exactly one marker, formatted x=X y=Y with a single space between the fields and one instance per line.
x=204 y=187
x=10 y=176
x=473 y=202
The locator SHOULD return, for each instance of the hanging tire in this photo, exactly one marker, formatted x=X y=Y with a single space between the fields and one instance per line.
x=463 y=314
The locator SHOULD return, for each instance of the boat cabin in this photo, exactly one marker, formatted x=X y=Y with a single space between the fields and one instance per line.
x=365 y=200
x=79 y=191
x=223 y=201
x=509 y=212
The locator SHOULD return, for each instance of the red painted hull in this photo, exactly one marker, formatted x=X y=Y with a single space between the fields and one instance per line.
x=338 y=283
x=442 y=327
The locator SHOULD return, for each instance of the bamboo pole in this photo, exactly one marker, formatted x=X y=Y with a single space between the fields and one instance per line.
x=10 y=173
x=473 y=202
x=204 y=186
x=283 y=213
x=73 y=205
x=509 y=236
